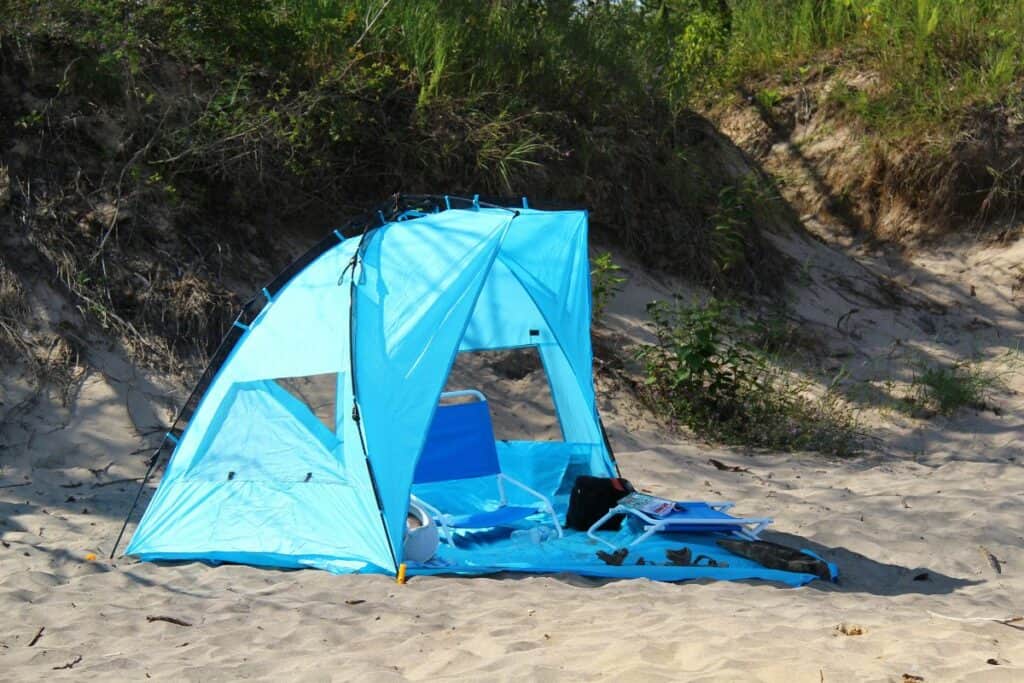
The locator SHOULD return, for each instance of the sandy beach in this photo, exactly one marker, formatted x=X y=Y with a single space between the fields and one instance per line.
x=925 y=525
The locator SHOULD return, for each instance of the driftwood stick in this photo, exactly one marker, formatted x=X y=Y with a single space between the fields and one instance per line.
x=116 y=481
x=169 y=620
x=69 y=665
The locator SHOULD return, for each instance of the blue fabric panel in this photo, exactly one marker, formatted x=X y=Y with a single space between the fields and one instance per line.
x=576 y=408
x=324 y=562
x=541 y=282
x=417 y=285
x=504 y=314
x=627 y=571
x=309 y=314
x=677 y=520
x=268 y=519
x=263 y=433
x=547 y=253
x=463 y=496
x=503 y=516
x=541 y=465
x=247 y=424
x=459 y=445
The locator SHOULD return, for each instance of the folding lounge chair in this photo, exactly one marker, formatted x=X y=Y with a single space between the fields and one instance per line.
x=688 y=517
x=461 y=445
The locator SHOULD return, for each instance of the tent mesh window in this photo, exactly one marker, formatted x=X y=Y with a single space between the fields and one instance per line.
x=517 y=390
x=317 y=392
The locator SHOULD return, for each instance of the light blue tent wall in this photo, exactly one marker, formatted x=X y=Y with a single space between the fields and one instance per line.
x=424 y=289
x=484 y=279
x=541 y=282
x=267 y=513
x=408 y=323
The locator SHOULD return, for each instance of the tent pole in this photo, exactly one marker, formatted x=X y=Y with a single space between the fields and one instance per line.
x=608 y=446
x=138 y=494
x=356 y=417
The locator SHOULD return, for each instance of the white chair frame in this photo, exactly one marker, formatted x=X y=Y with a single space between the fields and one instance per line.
x=653 y=525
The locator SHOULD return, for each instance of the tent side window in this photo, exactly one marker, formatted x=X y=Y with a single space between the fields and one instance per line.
x=316 y=392
x=263 y=432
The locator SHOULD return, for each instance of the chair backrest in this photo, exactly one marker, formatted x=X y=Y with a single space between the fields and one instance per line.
x=460 y=445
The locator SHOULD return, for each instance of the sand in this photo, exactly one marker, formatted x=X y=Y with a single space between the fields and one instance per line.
x=913 y=523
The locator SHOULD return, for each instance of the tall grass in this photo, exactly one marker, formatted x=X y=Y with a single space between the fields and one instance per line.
x=936 y=58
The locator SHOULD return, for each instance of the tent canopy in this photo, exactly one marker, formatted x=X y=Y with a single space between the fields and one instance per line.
x=256 y=477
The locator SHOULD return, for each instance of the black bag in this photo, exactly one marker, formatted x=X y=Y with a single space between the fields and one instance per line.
x=592 y=498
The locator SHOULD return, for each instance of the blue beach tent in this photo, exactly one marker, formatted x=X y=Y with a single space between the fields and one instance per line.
x=383 y=307
x=255 y=477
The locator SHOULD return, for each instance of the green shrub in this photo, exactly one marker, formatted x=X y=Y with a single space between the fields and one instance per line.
x=605 y=282
x=702 y=374
x=768 y=97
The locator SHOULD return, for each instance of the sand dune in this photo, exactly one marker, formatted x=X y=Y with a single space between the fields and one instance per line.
x=913 y=524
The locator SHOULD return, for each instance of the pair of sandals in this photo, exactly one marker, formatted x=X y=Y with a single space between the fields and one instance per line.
x=676 y=558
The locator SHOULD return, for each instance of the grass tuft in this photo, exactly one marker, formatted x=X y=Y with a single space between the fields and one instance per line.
x=946 y=388
x=606 y=280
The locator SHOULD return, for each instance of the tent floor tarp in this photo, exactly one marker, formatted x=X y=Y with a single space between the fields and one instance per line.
x=533 y=547
x=575 y=553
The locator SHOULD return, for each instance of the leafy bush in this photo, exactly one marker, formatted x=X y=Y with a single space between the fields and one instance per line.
x=702 y=374
x=605 y=282
x=271 y=112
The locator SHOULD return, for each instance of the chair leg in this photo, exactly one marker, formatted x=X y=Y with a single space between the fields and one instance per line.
x=501 y=490
x=541 y=497
x=648 y=531
x=597 y=525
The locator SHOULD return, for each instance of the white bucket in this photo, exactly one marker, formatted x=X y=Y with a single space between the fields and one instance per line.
x=421 y=542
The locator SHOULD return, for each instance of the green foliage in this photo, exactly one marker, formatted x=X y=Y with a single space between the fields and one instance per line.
x=936 y=58
x=605 y=282
x=33 y=119
x=946 y=388
x=768 y=98
x=271 y=109
x=700 y=47
x=312 y=100
x=728 y=226
x=701 y=373
x=732 y=218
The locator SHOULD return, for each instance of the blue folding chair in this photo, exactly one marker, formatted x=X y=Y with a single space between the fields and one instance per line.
x=460 y=445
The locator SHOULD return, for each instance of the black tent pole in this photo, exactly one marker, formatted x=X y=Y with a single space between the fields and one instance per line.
x=138 y=494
